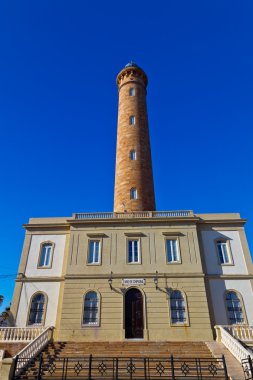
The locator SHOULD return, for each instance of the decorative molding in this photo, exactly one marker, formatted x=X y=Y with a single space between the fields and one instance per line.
x=96 y=235
x=171 y=234
x=134 y=234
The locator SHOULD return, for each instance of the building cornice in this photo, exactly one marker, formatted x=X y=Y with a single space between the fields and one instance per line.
x=130 y=275
x=40 y=279
x=229 y=276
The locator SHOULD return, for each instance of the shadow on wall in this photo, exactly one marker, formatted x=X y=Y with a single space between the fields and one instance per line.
x=210 y=253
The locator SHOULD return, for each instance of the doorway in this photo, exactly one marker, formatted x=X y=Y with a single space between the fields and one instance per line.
x=134 y=314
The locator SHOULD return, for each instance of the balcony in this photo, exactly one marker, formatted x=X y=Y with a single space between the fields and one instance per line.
x=133 y=215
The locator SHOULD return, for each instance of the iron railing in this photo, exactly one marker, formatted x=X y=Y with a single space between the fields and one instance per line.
x=121 y=368
x=247 y=366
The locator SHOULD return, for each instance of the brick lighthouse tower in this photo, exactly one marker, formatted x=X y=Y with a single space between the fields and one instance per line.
x=134 y=186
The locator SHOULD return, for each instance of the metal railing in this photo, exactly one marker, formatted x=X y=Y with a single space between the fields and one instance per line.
x=133 y=215
x=115 y=368
x=232 y=344
x=247 y=366
x=19 y=334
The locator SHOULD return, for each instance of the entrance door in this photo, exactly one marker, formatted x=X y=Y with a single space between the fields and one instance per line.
x=133 y=314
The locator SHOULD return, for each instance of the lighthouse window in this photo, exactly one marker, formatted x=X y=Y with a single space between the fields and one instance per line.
x=133 y=193
x=132 y=120
x=133 y=155
x=132 y=91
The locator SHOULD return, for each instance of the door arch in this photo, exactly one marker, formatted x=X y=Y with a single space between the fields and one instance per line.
x=134 y=318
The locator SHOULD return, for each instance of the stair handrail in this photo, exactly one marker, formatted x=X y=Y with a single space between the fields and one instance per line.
x=231 y=343
x=33 y=349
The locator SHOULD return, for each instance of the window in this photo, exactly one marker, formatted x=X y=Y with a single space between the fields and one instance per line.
x=91 y=309
x=37 y=309
x=133 y=193
x=132 y=91
x=177 y=307
x=133 y=155
x=45 y=258
x=223 y=252
x=132 y=120
x=94 y=252
x=172 y=251
x=133 y=251
x=234 y=308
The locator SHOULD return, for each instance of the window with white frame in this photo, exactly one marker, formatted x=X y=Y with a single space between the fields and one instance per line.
x=132 y=91
x=45 y=259
x=133 y=254
x=177 y=307
x=172 y=251
x=37 y=309
x=133 y=193
x=94 y=252
x=133 y=155
x=132 y=120
x=234 y=308
x=223 y=252
x=91 y=309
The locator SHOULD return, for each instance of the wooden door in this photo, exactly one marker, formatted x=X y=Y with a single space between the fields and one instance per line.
x=134 y=314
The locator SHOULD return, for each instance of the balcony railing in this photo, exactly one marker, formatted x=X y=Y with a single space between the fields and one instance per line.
x=19 y=334
x=133 y=215
x=240 y=332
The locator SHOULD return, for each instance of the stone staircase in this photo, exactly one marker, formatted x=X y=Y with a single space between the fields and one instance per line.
x=127 y=349
x=71 y=357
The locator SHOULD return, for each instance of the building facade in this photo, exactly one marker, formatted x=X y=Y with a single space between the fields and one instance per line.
x=134 y=273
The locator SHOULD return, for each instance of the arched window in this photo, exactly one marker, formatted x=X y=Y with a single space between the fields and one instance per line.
x=46 y=255
x=133 y=193
x=91 y=309
x=132 y=91
x=177 y=307
x=37 y=309
x=234 y=308
x=132 y=155
x=132 y=120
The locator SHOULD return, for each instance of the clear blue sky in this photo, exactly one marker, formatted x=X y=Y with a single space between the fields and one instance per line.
x=58 y=107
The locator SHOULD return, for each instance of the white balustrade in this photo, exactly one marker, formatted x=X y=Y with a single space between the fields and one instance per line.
x=33 y=349
x=240 y=332
x=232 y=344
x=19 y=334
x=137 y=214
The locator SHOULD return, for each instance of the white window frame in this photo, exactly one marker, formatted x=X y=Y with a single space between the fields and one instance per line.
x=133 y=155
x=49 y=254
x=220 y=244
x=131 y=91
x=93 y=262
x=186 y=321
x=38 y=310
x=132 y=120
x=243 y=311
x=178 y=261
x=91 y=324
x=138 y=261
x=133 y=194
